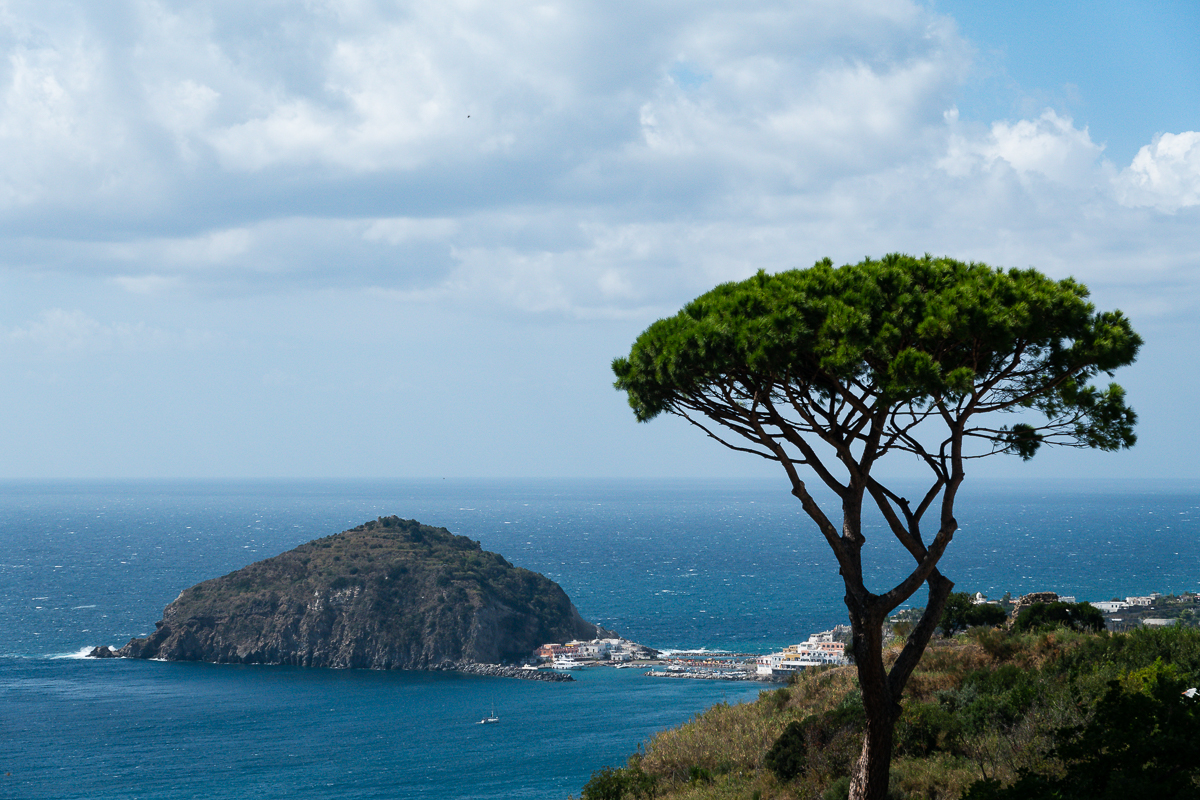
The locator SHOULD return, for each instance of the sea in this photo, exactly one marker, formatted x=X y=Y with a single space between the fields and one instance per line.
x=727 y=565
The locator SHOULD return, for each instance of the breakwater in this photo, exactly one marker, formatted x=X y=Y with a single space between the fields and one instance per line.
x=714 y=675
x=505 y=671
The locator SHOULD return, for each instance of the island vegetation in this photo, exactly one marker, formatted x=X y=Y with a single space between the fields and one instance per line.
x=389 y=594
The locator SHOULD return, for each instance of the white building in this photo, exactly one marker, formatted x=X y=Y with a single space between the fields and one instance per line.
x=819 y=650
x=1108 y=606
x=597 y=648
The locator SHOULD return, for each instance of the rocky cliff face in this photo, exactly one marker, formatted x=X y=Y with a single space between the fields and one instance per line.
x=390 y=594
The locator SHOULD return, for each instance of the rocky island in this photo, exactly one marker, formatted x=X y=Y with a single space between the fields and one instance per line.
x=389 y=594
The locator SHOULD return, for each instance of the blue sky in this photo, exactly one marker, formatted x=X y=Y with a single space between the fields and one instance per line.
x=350 y=238
x=1125 y=70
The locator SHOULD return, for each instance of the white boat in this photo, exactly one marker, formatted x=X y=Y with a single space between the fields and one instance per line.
x=567 y=663
x=490 y=719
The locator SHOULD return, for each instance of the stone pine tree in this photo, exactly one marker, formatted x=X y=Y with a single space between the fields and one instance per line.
x=828 y=371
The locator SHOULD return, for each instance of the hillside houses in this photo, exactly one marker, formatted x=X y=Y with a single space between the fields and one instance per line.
x=612 y=650
x=821 y=649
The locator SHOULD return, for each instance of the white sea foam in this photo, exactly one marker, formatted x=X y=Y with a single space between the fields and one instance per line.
x=80 y=653
x=76 y=608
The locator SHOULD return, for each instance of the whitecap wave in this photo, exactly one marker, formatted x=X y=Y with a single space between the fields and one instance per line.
x=80 y=653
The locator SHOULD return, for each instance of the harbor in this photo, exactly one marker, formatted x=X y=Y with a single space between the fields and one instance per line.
x=826 y=648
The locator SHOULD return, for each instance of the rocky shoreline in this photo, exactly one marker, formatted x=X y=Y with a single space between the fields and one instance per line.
x=467 y=667
x=716 y=675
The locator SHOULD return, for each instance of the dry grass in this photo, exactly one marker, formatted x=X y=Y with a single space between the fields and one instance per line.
x=940 y=776
x=724 y=739
x=822 y=689
x=730 y=742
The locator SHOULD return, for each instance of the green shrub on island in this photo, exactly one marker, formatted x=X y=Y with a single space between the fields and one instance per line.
x=1043 y=616
x=961 y=613
x=1049 y=712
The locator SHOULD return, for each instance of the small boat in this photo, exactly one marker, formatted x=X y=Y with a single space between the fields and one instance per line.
x=491 y=718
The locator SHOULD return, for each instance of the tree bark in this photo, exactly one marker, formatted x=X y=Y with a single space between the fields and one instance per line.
x=871 y=774
x=881 y=689
x=869 y=778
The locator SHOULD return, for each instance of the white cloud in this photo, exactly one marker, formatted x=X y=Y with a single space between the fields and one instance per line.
x=60 y=332
x=352 y=190
x=548 y=157
x=398 y=230
x=1047 y=148
x=147 y=284
x=1165 y=174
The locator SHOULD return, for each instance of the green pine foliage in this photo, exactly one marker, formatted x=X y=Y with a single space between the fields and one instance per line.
x=990 y=715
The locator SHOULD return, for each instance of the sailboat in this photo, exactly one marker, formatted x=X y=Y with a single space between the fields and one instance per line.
x=491 y=718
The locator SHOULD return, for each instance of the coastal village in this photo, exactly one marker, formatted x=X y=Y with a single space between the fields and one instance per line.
x=828 y=648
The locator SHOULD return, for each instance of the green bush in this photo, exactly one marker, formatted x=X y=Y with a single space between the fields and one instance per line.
x=829 y=740
x=788 y=757
x=1076 y=616
x=1139 y=743
x=1135 y=650
x=961 y=613
x=992 y=698
x=840 y=790
x=620 y=783
x=606 y=784
x=999 y=644
x=926 y=728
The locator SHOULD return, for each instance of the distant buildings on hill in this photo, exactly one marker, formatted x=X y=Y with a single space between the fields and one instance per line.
x=611 y=650
x=827 y=648
x=1113 y=606
x=821 y=649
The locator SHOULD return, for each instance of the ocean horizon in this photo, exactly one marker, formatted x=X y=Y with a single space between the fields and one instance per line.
x=682 y=564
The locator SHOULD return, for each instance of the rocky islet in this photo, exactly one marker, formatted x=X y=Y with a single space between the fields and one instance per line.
x=389 y=594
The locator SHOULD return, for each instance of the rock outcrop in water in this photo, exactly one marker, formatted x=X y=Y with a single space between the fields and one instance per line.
x=390 y=594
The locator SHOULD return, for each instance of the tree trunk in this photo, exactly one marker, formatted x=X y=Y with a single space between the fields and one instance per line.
x=872 y=772
x=869 y=778
x=881 y=690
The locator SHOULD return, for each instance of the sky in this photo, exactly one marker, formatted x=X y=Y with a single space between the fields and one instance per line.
x=346 y=238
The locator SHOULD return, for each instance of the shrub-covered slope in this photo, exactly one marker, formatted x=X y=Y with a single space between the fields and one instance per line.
x=390 y=594
x=990 y=715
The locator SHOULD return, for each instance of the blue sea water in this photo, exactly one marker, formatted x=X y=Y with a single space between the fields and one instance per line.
x=674 y=564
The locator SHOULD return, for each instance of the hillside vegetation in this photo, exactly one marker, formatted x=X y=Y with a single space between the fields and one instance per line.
x=988 y=715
